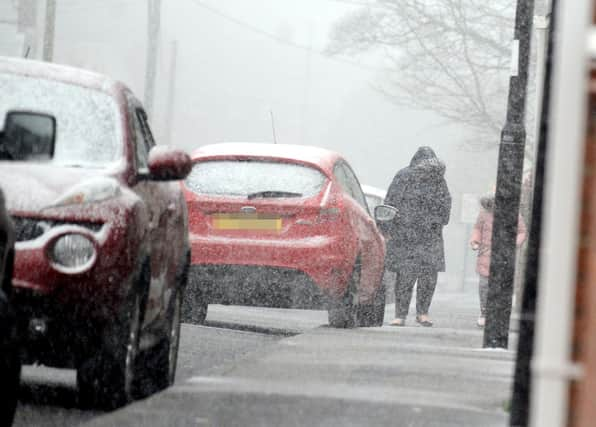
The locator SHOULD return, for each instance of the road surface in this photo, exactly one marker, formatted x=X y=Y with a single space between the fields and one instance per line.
x=254 y=366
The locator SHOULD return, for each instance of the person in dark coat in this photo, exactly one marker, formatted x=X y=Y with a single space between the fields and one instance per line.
x=415 y=248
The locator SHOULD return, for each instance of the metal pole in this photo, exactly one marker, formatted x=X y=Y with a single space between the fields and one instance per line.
x=49 y=31
x=172 y=92
x=507 y=198
x=520 y=405
x=153 y=30
x=542 y=25
x=307 y=89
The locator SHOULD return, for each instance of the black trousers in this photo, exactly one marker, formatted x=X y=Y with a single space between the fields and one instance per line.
x=426 y=281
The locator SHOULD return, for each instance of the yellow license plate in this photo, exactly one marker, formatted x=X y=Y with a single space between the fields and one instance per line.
x=243 y=222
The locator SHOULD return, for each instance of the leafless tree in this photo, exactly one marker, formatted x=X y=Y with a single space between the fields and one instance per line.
x=451 y=57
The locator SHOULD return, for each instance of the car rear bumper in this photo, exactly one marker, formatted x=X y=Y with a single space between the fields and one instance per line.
x=325 y=262
x=254 y=286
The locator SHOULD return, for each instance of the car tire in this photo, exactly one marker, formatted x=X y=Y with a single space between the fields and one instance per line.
x=373 y=314
x=107 y=381
x=379 y=305
x=194 y=305
x=344 y=313
x=156 y=366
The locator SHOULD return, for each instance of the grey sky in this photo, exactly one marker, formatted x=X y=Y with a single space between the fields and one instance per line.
x=230 y=77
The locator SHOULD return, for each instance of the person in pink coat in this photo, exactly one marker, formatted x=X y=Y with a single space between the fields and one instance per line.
x=481 y=241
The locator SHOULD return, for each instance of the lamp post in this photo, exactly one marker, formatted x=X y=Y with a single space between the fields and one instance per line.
x=507 y=197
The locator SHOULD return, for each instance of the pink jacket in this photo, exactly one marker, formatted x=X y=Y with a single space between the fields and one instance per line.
x=482 y=236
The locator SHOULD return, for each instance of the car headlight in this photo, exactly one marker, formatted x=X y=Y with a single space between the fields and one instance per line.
x=90 y=191
x=73 y=251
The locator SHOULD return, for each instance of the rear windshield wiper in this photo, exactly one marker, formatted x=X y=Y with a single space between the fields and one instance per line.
x=272 y=194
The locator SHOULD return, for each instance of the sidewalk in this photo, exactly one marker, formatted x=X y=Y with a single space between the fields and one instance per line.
x=410 y=376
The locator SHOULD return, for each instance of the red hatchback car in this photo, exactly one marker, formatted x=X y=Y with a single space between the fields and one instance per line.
x=102 y=247
x=282 y=226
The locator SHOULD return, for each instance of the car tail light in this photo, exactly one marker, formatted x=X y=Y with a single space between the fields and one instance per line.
x=329 y=214
x=331 y=204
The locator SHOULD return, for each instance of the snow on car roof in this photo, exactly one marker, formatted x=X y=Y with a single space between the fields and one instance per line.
x=59 y=73
x=301 y=153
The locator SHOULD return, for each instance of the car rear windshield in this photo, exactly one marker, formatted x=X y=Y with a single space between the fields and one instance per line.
x=87 y=132
x=254 y=178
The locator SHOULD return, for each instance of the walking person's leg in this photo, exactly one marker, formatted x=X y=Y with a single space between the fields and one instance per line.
x=483 y=295
x=427 y=283
x=404 y=286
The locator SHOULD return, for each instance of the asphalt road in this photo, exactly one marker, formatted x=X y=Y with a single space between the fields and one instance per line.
x=48 y=396
x=267 y=367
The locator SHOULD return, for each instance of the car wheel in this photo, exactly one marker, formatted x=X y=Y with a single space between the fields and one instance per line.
x=173 y=341
x=378 y=313
x=194 y=305
x=107 y=380
x=344 y=313
x=157 y=365
x=373 y=314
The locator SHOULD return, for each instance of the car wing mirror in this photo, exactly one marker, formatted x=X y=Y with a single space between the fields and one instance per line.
x=385 y=213
x=28 y=135
x=168 y=164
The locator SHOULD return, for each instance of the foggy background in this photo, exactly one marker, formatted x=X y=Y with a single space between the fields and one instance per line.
x=224 y=66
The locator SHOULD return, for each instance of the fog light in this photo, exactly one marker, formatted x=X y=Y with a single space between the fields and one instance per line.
x=38 y=327
x=73 y=251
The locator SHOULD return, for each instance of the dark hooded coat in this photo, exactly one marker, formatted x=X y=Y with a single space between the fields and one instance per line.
x=420 y=194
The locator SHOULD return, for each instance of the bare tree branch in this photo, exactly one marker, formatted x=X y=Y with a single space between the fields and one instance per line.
x=448 y=56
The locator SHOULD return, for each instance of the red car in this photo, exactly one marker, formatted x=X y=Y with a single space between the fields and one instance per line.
x=102 y=247
x=282 y=226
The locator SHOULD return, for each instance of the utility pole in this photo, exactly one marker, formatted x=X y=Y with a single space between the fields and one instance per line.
x=171 y=92
x=153 y=36
x=37 y=22
x=509 y=175
x=307 y=88
x=49 y=30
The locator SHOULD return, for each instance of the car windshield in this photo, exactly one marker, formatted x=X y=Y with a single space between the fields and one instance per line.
x=87 y=132
x=254 y=178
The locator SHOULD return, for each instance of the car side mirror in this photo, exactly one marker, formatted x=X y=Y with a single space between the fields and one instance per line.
x=28 y=136
x=385 y=213
x=167 y=164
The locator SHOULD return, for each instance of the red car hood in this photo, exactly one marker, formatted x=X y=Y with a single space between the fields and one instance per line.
x=31 y=187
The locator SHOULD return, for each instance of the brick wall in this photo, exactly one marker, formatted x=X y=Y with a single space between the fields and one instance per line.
x=582 y=409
